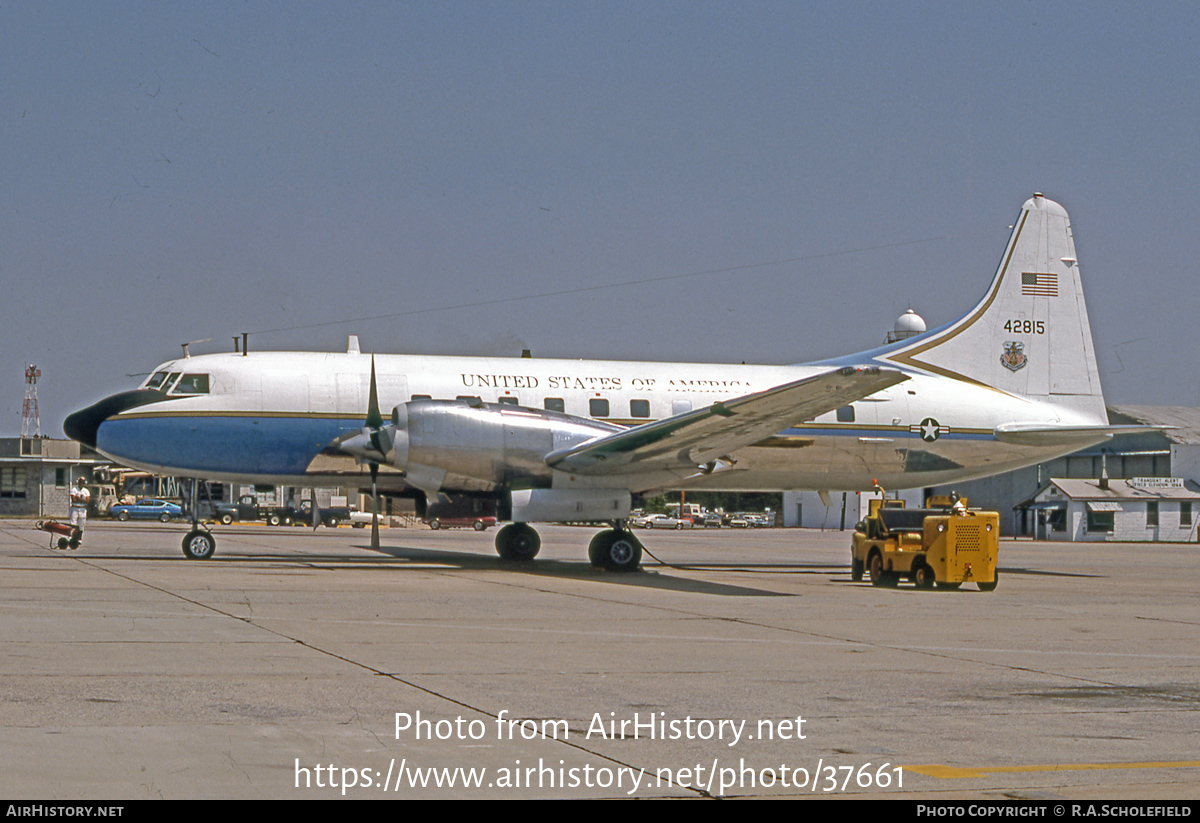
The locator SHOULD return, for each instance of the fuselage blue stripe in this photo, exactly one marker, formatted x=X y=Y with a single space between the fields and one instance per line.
x=288 y=445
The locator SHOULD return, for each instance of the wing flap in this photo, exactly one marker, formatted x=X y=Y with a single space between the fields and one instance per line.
x=697 y=437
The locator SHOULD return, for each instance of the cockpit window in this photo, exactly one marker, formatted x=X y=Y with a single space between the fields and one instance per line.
x=156 y=381
x=192 y=384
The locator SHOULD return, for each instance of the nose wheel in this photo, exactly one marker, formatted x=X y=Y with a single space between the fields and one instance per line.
x=199 y=544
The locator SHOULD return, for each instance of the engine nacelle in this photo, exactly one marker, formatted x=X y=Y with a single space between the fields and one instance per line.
x=479 y=447
x=569 y=505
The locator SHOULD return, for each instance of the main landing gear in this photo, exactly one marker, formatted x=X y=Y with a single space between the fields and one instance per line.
x=615 y=549
x=517 y=541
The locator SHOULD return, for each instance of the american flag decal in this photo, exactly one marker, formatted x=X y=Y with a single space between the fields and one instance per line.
x=1039 y=284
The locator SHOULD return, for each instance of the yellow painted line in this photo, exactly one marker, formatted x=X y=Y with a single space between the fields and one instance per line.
x=937 y=770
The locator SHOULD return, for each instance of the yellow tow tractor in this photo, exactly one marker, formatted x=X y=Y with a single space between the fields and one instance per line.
x=946 y=544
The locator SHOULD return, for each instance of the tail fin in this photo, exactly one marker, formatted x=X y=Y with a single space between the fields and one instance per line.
x=1029 y=336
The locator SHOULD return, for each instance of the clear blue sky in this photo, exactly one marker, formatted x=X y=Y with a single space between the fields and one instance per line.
x=178 y=171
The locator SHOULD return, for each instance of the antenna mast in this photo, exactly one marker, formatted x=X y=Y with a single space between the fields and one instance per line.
x=30 y=419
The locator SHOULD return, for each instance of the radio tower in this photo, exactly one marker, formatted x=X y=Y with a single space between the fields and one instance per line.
x=30 y=419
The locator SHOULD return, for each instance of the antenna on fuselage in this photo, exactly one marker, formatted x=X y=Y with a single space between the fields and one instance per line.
x=186 y=353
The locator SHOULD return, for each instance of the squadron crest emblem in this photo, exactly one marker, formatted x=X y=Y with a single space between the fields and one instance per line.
x=1014 y=358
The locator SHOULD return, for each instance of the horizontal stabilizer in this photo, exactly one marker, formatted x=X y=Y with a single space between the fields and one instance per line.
x=704 y=435
x=1050 y=434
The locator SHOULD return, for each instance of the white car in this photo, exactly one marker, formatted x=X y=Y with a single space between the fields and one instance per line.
x=360 y=520
x=662 y=521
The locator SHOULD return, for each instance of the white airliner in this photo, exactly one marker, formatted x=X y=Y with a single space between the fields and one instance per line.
x=1011 y=383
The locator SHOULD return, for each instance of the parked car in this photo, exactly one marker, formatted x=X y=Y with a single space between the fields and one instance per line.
x=662 y=521
x=360 y=520
x=477 y=523
x=147 y=509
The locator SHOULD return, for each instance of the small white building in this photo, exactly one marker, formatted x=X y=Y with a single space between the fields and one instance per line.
x=36 y=475
x=1140 y=509
x=807 y=510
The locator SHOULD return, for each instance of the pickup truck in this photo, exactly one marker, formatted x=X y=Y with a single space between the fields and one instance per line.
x=246 y=508
x=331 y=516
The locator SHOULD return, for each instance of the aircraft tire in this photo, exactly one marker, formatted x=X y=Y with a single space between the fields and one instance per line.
x=596 y=550
x=518 y=542
x=199 y=545
x=622 y=552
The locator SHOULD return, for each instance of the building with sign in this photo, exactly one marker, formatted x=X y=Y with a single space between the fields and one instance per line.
x=36 y=474
x=1138 y=509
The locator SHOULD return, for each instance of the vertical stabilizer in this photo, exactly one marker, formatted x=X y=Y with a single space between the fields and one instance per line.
x=1029 y=336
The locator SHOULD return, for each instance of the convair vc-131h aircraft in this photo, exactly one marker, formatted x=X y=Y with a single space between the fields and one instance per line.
x=1011 y=383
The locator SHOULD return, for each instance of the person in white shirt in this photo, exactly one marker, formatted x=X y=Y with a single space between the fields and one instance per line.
x=80 y=497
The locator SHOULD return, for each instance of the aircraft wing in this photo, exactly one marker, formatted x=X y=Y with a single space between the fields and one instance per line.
x=1049 y=434
x=698 y=437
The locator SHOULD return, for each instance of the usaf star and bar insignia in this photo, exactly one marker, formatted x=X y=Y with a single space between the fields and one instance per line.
x=929 y=429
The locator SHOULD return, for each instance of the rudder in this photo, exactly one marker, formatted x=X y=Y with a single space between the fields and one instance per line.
x=1029 y=336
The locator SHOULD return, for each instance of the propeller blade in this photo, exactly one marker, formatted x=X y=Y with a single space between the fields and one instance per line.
x=374 y=418
x=373 y=443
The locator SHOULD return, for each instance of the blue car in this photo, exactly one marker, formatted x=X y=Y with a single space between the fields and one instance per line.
x=147 y=510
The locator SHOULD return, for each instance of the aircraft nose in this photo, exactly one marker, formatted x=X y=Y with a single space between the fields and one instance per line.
x=85 y=423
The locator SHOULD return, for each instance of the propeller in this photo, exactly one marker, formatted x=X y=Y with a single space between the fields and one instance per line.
x=372 y=446
x=377 y=436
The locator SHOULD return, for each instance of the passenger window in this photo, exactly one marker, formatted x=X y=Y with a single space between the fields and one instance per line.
x=845 y=414
x=681 y=406
x=639 y=408
x=192 y=384
x=598 y=407
x=555 y=404
x=509 y=400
